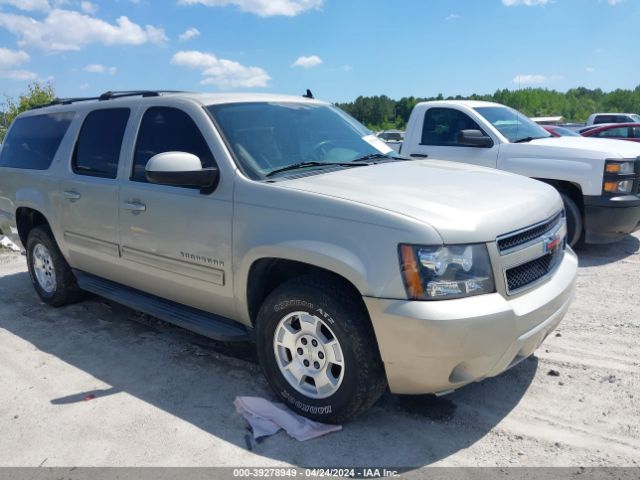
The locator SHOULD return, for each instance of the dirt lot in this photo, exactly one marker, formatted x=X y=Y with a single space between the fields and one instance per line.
x=163 y=396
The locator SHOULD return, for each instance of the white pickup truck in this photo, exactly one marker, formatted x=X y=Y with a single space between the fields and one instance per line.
x=598 y=179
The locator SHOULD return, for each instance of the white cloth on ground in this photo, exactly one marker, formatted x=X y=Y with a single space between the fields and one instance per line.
x=266 y=418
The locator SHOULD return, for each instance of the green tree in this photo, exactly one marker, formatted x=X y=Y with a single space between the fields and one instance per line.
x=575 y=105
x=37 y=94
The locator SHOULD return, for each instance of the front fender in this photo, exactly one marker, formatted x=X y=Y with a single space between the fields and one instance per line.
x=323 y=255
x=580 y=167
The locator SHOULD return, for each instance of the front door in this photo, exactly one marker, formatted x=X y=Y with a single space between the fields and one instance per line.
x=176 y=241
x=439 y=141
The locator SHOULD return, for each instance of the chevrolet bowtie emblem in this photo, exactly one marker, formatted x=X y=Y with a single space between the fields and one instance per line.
x=551 y=242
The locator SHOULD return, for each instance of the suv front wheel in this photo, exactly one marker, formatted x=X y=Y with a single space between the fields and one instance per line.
x=318 y=351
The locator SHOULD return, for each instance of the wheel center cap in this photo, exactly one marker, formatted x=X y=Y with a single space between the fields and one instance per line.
x=310 y=352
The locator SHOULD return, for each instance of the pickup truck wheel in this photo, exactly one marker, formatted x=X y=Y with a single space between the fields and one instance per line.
x=574 y=220
x=318 y=351
x=49 y=271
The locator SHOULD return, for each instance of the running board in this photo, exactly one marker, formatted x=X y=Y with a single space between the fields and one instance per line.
x=207 y=324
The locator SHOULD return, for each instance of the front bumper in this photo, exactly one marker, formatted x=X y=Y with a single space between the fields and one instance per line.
x=435 y=347
x=607 y=220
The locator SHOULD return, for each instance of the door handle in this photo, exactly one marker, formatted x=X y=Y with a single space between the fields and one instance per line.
x=134 y=206
x=71 y=195
x=419 y=155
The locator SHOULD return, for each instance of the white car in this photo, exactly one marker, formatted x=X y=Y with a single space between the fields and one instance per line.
x=393 y=138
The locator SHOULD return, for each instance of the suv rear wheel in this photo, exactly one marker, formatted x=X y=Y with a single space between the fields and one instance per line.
x=49 y=271
x=318 y=351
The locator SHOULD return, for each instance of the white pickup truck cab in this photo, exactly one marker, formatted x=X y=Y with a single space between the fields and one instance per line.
x=598 y=179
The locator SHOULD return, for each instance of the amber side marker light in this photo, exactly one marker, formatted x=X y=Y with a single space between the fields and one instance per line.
x=611 y=187
x=613 y=168
x=411 y=272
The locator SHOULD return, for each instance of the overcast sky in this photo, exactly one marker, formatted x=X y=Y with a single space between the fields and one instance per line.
x=338 y=48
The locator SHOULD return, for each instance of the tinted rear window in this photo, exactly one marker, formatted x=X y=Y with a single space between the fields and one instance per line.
x=600 y=119
x=33 y=141
x=98 y=148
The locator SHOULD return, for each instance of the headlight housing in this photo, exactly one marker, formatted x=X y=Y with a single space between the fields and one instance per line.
x=618 y=186
x=446 y=272
x=615 y=167
x=619 y=176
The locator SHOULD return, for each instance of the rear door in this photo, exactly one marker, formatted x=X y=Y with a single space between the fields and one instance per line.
x=176 y=241
x=89 y=193
x=439 y=139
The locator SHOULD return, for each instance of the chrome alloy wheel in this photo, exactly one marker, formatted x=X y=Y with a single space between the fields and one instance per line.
x=43 y=268
x=308 y=355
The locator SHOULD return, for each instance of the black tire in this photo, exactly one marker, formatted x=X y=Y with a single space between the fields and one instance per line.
x=574 y=220
x=66 y=288
x=364 y=379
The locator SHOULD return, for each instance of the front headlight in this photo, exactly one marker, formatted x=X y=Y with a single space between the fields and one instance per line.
x=445 y=272
x=619 y=167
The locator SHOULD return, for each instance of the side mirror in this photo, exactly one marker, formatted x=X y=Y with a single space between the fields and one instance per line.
x=181 y=169
x=474 y=138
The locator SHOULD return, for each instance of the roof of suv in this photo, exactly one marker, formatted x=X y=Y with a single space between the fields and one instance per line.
x=216 y=98
x=204 y=99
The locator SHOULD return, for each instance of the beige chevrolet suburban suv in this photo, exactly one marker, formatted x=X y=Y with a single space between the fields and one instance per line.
x=283 y=221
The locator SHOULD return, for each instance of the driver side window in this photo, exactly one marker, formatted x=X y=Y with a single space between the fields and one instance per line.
x=167 y=129
x=442 y=126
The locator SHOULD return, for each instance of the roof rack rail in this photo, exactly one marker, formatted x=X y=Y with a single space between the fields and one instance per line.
x=63 y=101
x=110 y=95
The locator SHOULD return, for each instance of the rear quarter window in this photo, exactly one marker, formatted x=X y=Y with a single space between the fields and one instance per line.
x=33 y=141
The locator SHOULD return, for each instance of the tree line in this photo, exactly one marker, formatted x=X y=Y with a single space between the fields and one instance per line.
x=575 y=105
x=384 y=113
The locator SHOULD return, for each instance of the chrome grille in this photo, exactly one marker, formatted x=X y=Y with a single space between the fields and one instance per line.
x=531 y=254
x=517 y=239
x=525 y=275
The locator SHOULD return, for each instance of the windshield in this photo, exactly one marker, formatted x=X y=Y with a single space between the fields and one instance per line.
x=265 y=137
x=512 y=124
x=636 y=118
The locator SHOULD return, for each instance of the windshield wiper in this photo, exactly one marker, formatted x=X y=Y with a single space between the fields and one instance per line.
x=375 y=156
x=526 y=139
x=297 y=166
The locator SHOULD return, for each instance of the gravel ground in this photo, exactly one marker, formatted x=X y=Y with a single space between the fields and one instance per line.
x=97 y=384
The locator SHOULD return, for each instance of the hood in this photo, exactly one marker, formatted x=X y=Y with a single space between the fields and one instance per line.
x=603 y=147
x=464 y=203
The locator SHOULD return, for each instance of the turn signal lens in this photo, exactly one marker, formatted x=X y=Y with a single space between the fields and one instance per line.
x=619 y=168
x=410 y=271
x=624 y=186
